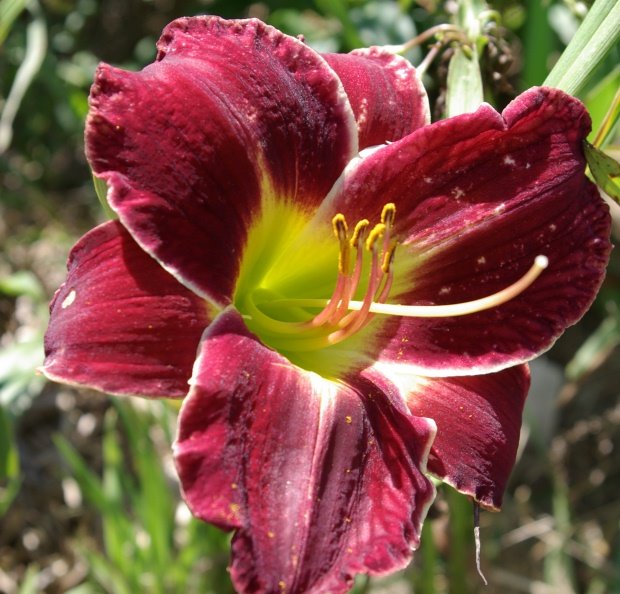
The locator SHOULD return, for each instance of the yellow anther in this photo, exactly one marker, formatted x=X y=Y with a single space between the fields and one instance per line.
x=376 y=233
x=359 y=233
x=388 y=213
x=341 y=231
x=388 y=258
x=339 y=224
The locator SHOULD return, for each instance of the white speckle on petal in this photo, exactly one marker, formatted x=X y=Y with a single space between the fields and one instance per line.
x=508 y=160
x=458 y=192
x=363 y=112
x=69 y=299
x=482 y=260
x=445 y=290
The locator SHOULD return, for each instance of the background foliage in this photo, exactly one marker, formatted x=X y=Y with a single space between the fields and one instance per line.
x=88 y=497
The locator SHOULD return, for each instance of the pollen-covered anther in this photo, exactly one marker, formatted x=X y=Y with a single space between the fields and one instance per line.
x=359 y=233
x=341 y=231
x=341 y=316
x=337 y=320
x=337 y=305
x=388 y=214
x=388 y=258
x=379 y=278
x=377 y=232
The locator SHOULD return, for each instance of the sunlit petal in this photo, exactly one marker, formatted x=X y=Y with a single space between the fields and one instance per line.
x=322 y=480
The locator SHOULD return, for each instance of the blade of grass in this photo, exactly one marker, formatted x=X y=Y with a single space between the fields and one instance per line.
x=29 y=583
x=153 y=500
x=118 y=530
x=106 y=574
x=89 y=482
x=599 y=32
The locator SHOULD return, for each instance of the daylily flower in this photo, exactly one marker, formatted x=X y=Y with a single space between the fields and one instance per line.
x=346 y=320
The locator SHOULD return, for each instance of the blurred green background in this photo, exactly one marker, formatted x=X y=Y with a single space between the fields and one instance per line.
x=88 y=497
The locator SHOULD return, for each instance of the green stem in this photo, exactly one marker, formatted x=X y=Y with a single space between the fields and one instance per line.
x=426 y=577
x=460 y=542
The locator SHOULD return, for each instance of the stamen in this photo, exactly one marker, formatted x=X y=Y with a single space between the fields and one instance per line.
x=355 y=320
x=340 y=317
x=341 y=290
x=357 y=241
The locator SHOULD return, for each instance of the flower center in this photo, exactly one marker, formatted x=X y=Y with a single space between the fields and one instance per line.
x=339 y=317
x=298 y=325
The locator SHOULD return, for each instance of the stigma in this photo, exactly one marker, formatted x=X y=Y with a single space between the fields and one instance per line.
x=366 y=258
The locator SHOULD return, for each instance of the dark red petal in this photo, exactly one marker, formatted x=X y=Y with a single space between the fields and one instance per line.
x=478 y=197
x=323 y=480
x=478 y=425
x=120 y=323
x=232 y=114
x=387 y=96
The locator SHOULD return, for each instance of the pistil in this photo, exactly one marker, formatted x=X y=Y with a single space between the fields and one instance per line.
x=340 y=317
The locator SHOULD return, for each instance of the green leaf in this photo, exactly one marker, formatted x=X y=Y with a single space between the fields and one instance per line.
x=20 y=283
x=599 y=32
x=464 y=92
x=603 y=103
x=596 y=348
x=605 y=171
x=19 y=383
x=9 y=463
x=9 y=11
